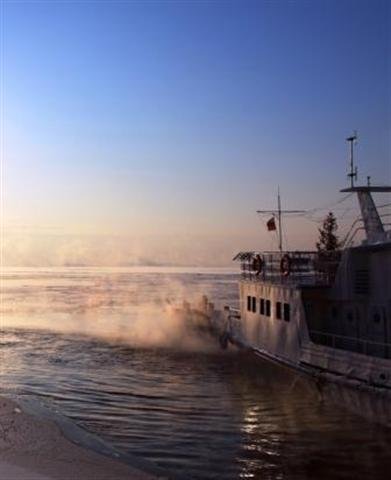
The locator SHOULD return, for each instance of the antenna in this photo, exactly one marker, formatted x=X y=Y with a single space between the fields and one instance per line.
x=353 y=170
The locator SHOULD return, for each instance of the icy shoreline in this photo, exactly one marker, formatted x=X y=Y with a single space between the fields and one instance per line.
x=34 y=446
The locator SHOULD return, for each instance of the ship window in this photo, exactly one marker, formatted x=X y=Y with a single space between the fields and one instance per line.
x=350 y=316
x=249 y=303
x=376 y=318
x=334 y=312
x=254 y=304
x=268 y=308
x=278 y=310
x=361 y=282
x=287 y=312
x=262 y=306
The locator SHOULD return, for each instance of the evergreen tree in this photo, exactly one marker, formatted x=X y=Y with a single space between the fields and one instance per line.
x=328 y=240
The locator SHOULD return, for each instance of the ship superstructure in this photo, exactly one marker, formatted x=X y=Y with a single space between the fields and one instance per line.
x=324 y=314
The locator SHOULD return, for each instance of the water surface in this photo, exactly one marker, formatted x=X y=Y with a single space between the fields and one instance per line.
x=188 y=407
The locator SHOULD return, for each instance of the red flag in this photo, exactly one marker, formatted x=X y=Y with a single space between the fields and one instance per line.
x=271 y=224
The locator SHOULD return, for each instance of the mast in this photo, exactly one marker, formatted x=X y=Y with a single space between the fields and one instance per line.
x=279 y=213
x=353 y=170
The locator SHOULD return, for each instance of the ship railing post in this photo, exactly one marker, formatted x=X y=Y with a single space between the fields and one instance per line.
x=272 y=264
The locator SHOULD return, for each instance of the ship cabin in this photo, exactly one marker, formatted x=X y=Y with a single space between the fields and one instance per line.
x=342 y=299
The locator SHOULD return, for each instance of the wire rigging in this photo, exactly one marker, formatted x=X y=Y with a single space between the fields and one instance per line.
x=313 y=215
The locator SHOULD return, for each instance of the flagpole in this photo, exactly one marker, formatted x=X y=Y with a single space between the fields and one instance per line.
x=279 y=221
x=278 y=214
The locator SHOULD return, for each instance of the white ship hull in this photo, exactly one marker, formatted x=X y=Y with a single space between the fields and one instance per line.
x=359 y=382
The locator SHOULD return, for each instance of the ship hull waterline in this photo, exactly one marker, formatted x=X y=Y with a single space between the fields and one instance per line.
x=372 y=402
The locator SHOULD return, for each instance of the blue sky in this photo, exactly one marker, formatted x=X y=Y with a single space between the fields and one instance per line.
x=181 y=118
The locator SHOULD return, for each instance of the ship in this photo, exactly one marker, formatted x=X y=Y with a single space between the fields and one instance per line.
x=322 y=315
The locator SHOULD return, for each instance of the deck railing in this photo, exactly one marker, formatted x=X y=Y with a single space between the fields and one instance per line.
x=291 y=267
x=360 y=345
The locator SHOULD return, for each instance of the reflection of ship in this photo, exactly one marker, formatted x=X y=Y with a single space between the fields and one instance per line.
x=325 y=315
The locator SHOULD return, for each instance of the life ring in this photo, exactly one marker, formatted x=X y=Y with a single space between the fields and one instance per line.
x=257 y=264
x=285 y=265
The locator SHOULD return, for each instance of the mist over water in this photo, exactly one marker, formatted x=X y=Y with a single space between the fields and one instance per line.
x=135 y=306
x=103 y=346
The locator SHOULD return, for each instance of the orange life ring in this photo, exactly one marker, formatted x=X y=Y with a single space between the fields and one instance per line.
x=257 y=264
x=285 y=265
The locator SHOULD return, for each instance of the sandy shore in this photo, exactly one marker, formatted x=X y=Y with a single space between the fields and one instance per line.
x=33 y=448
